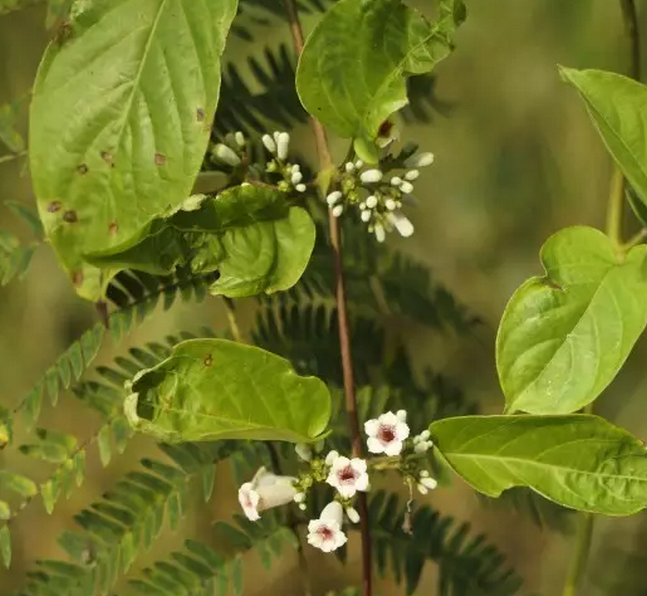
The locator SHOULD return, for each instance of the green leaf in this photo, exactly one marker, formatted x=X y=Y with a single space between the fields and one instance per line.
x=638 y=207
x=18 y=483
x=252 y=236
x=9 y=113
x=564 y=336
x=213 y=389
x=120 y=120
x=5 y=511
x=103 y=442
x=5 y=545
x=616 y=105
x=579 y=461
x=352 y=72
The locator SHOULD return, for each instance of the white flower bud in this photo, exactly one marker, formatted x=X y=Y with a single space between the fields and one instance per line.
x=420 y=446
x=401 y=415
x=425 y=435
x=419 y=160
x=337 y=210
x=362 y=206
x=282 y=145
x=429 y=483
x=269 y=143
x=406 y=187
x=245 y=184
x=240 y=139
x=365 y=216
x=390 y=204
x=401 y=223
x=352 y=514
x=319 y=445
x=300 y=187
x=349 y=167
x=359 y=164
x=299 y=497
x=226 y=155
x=303 y=506
x=396 y=181
x=371 y=202
x=296 y=178
x=380 y=234
x=371 y=176
x=295 y=168
x=422 y=489
x=331 y=457
x=333 y=197
x=303 y=451
x=412 y=175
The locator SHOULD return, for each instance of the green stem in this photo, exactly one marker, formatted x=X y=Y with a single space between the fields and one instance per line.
x=580 y=560
x=231 y=319
x=615 y=209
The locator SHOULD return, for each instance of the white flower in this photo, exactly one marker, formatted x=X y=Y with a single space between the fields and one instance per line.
x=296 y=177
x=390 y=204
x=300 y=187
x=303 y=451
x=406 y=187
x=240 y=139
x=371 y=201
x=426 y=483
x=371 y=176
x=419 y=160
x=365 y=216
x=337 y=210
x=269 y=143
x=325 y=533
x=347 y=475
x=387 y=433
x=412 y=175
x=352 y=514
x=396 y=181
x=226 y=155
x=380 y=234
x=333 y=197
x=401 y=223
x=265 y=491
x=282 y=145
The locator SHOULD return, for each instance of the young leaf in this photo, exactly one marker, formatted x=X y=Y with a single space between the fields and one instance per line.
x=252 y=236
x=564 y=336
x=578 y=461
x=213 y=389
x=18 y=483
x=616 y=105
x=120 y=119
x=352 y=72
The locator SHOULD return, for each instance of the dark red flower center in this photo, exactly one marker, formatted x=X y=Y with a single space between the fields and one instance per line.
x=326 y=533
x=386 y=433
x=346 y=474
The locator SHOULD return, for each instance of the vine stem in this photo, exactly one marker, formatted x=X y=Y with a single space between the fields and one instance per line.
x=325 y=164
x=232 y=320
x=615 y=207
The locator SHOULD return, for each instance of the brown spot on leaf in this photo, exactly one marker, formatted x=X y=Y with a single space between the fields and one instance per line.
x=553 y=284
x=70 y=216
x=200 y=114
x=160 y=159
x=77 y=278
x=54 y=206
x=82 y=169
x=113 y=227
x=107 y=157
x=208 y=361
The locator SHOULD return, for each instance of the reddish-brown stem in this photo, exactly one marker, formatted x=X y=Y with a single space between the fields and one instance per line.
x=325 y=162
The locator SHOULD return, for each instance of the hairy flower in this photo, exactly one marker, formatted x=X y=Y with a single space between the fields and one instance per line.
x=325 y=533
x=387 y=433
x=265 y=491
x=347 y=475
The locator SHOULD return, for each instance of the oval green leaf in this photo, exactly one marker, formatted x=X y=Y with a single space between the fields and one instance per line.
x=579 y=461
x=120 y=119
x=564 y=336
x=212 y=389
x=352 y=71
x=256 y=240
x=618 y=107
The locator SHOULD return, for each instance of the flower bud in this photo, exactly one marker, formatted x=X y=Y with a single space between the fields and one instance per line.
x=396 y=181
x=406 y=187
x=390 y=204
x=300 y=187
x=303 y=451
x=401 y=223
x=359 y=164
x=412 y=175
x=269 y=143
x=419 y=160
x=296 y=177
x=371 y=176
x=371 y=202
x=352 y=514
x=282 y=145
x=240 y=139
x=337 y=210
x=380 y=234
x=365 y=216
x=333 y=197
x=349 y=167
x=226 y=155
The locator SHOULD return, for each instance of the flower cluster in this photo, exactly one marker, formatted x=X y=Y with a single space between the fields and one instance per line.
x=388 y=434
x=234 y=154
x=380 y=192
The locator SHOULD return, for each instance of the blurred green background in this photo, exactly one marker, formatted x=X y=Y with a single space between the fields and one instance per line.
x=516 y=159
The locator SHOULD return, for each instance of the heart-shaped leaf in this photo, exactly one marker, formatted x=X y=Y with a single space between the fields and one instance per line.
x=564 y=336
x=251 y=235
x=120 y=119
x=618 y=107
x=578 y=461
x=211 y=389
x=352 y=72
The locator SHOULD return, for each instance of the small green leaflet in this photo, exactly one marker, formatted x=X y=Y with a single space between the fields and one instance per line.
x=579 y=461
x=120 y=120
x=256 y=240
x=352 y=80
x=618 y=107
x=5 y=546
x=564 y=336
x=213 y=389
